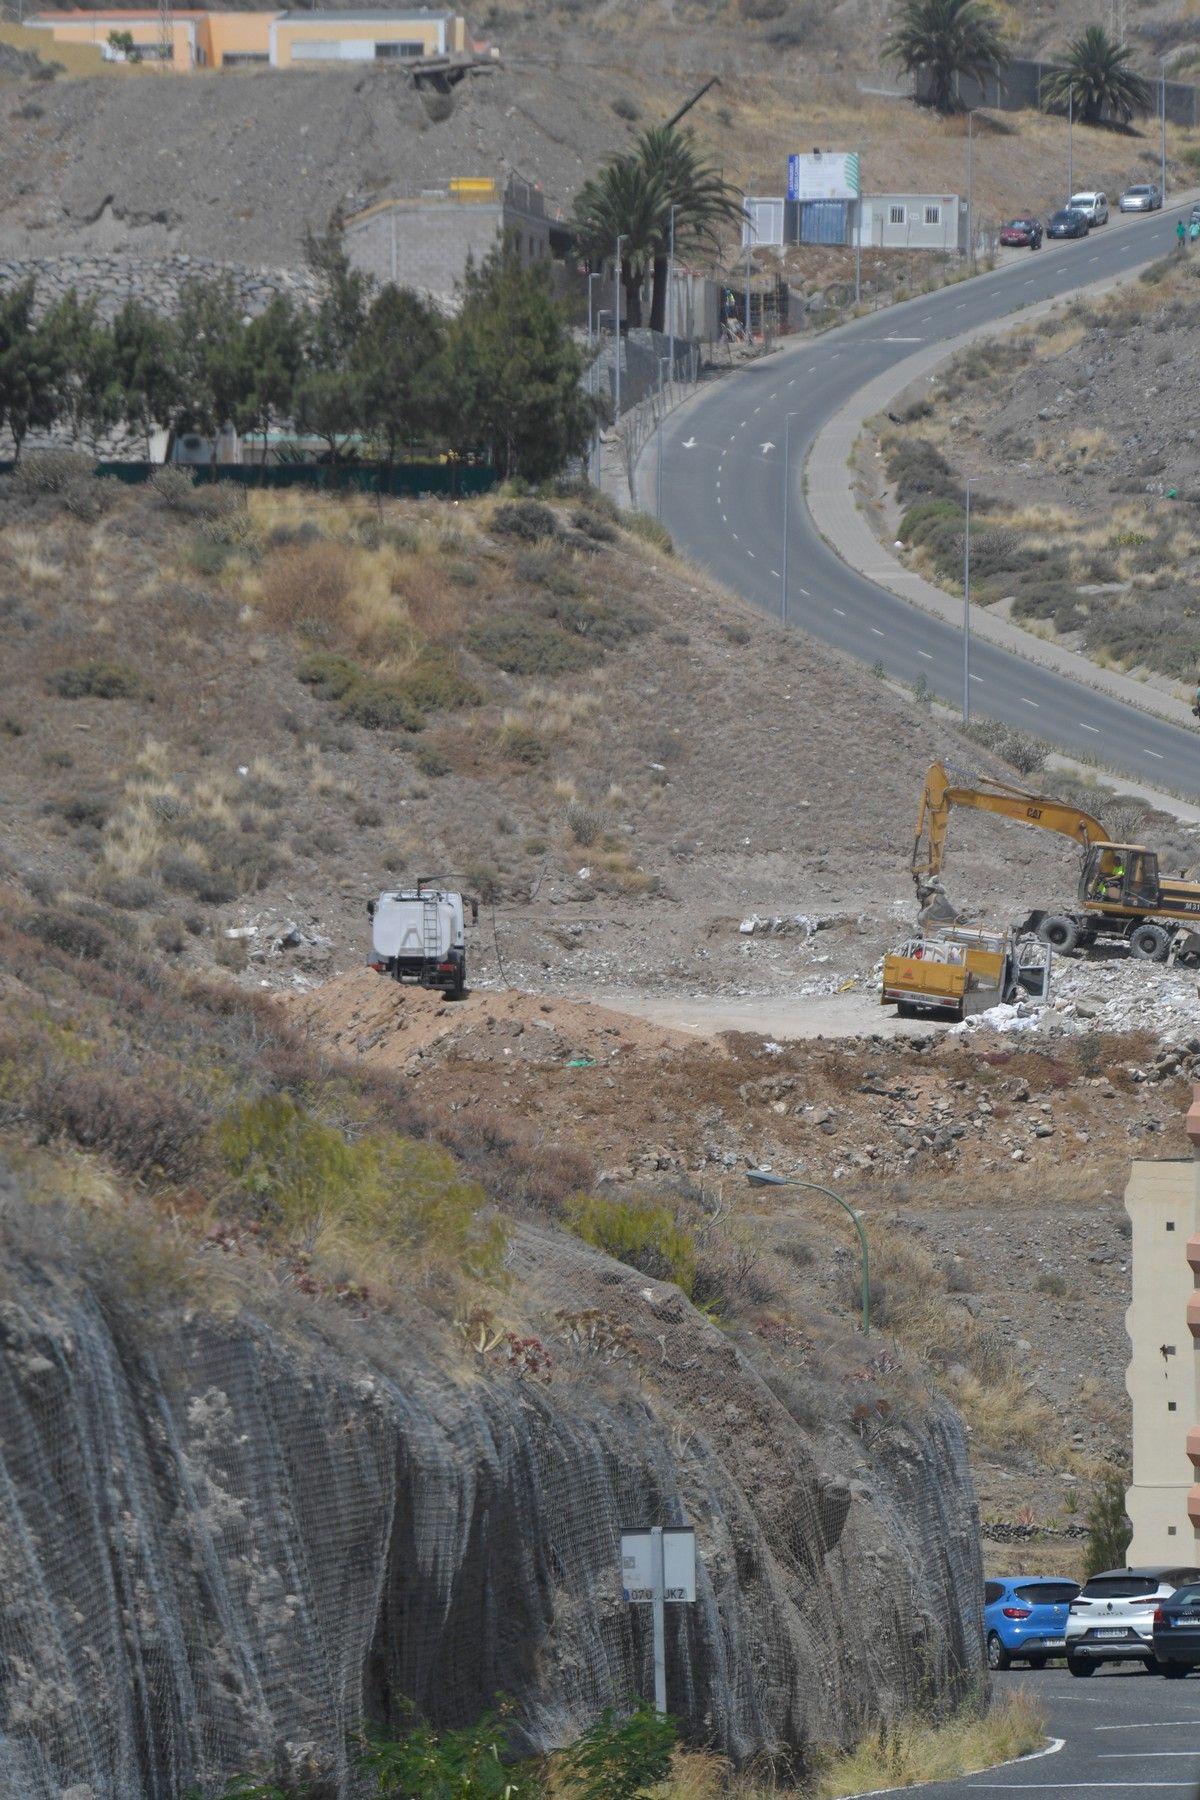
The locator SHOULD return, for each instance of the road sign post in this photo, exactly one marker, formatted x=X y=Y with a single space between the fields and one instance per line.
x=659 y=1566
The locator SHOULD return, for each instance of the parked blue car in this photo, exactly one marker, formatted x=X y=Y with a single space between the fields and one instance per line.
x=1025 y=1618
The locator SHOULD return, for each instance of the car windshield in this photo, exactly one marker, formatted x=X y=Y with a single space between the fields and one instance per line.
x=1019 y=224
x=1139 y=190
x=1081 y=200
x=1119 y=1587
x=1061 y=218
x=1048 y=1593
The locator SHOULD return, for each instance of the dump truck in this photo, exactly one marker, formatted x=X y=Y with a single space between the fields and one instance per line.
x=419 y=935
x=1120 y=897
x=953 y=971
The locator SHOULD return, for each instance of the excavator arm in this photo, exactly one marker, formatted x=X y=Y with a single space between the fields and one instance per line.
x=940 y=794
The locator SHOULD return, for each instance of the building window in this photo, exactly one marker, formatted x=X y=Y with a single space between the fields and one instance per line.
x=1171 y=1530
x=1171 y=1406
x=238 y=59
x=933 y=215
x=388 y=52
x=1170 y=1224
x=897 y=215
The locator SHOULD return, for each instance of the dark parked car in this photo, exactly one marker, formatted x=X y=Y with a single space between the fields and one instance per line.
x=1025 y=1618
x=1067 y=223
x=1177 y=1632
x=1023 y=231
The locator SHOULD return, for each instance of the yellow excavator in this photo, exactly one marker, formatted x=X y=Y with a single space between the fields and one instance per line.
x=1120 y=894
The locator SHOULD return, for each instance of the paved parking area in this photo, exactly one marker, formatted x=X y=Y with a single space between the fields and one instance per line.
x=1121 y=1732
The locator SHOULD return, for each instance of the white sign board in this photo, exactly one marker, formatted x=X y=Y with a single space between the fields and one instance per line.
x=679 y=1564
x=824 y=175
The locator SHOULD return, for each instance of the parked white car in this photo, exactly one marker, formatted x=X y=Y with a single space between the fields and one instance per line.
x=1112 y=1616
x=1092 y=202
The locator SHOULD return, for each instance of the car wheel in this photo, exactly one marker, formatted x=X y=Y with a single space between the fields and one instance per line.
x=1173 y=1671
x=1080 y=1665
x=997 y=1655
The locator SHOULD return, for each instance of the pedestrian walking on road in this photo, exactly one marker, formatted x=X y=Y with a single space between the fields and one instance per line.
x=1194 y=230
x=1181 y=234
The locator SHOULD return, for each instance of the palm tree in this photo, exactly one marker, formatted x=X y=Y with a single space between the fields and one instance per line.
x=940 y=40
x=624 y=200
x=699 y=194
x=1098 y=74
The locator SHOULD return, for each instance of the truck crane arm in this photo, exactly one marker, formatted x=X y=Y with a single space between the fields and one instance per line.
x=939 y=795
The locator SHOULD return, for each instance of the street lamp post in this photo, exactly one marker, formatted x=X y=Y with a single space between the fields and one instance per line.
x=617 y=330
x=966 y=699
x=1163 y=108
x=1070 y=139
x=765 y=1178
x=595 y=275
x=787 y=498
x=970 y=215
x=749 y=235
x=858 y=224
x=671 y=295
x=602 y=313
x=658 y=471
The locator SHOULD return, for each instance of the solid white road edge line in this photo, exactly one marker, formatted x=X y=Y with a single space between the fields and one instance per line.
x=1050 y=1749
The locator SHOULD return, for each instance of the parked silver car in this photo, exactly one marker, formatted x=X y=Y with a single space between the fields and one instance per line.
x=1143 y=196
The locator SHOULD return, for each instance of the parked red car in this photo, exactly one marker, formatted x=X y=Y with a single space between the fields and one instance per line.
x=1024 y=232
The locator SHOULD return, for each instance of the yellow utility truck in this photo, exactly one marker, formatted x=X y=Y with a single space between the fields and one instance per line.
x=953 y=971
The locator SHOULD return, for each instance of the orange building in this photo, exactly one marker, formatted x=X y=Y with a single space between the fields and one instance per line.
x=195 y=39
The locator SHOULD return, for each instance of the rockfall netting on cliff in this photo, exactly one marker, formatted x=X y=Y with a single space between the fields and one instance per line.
x=227 y=1541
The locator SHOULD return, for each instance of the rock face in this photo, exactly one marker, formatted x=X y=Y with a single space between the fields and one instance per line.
x=224 y=1543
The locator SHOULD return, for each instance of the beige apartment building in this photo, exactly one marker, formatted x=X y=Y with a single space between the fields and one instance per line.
x=1163 y=1378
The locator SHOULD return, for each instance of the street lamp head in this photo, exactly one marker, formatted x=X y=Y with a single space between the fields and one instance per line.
x=766 y=1178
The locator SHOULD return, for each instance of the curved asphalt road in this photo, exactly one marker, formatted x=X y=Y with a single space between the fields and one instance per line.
x=723 y=502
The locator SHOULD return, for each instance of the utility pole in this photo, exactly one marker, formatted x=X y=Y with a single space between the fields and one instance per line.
x=1163 y=94
x=749 y=234
x=1070 y=139
x=966 y=699
x=858 y=234
x=617 y=332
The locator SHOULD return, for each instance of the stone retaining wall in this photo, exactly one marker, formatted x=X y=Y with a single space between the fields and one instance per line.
x=156 y=281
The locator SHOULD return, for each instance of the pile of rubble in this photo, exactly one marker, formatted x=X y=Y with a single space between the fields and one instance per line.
x=1117 y=995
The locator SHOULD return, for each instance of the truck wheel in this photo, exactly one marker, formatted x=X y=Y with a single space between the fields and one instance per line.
x=460 y=983
x=1059 y=932
x=1149 y=943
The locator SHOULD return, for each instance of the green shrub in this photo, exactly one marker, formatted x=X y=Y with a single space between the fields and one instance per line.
x=185 y=874
x=470 y=1764
x=644 y=1236
x=436 y=684
x=527 y=520
x=74 y=936
x=594 y=525
x=548 y=568
x=520 y=643
x=522 y=743
x=1109 y=1530
x=370 y=701
x=644 y=525
x=378 y=1192
x=1024 y=753
x=95 y=681
x=621 y=1759
x=920 y=471
x=610 y=622
x=430 y=760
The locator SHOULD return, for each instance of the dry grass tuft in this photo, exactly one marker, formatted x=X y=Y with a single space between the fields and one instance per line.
x=912 y=1751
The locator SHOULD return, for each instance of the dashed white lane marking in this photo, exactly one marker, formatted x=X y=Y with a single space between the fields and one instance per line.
x=977 y=678
x=925 y=654
x=758 y=409
x=1095 y=729
x=925 y=316
x=1158 y=757
x=777 y=575
x=837 y=609
x=792 y=382
x=1033 y=703
x=877 y=631
x=808 y=596
x=1061 y=270
x=1029 y=283
x=1146 y=1725
x=736 y=538
x=724 y=518
x=1093 y=259
x=1130 y=1755
x=750 y=554
x=743 y=425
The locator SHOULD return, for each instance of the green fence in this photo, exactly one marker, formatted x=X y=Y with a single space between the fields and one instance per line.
x=409 y=479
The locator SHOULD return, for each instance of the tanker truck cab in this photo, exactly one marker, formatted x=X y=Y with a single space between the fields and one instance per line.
x=419 y=935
